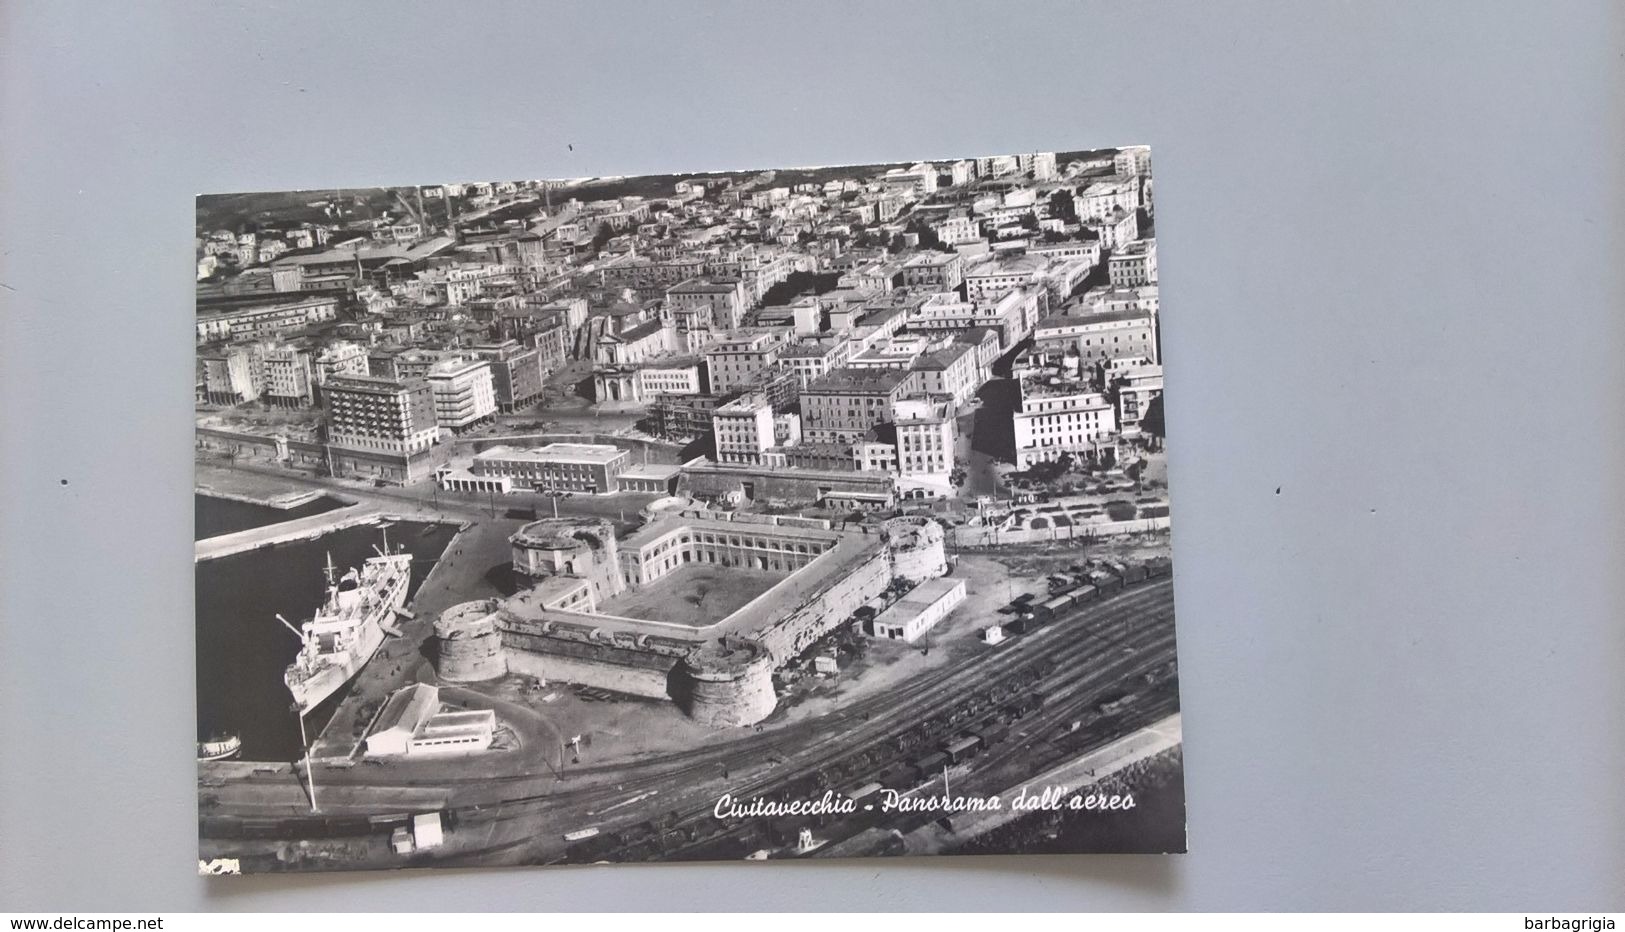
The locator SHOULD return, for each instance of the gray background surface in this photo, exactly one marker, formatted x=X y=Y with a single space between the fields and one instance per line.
x=1392 y=238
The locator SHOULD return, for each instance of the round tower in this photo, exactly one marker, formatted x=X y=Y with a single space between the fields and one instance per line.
x=916 y=547
x=726 y=682
x=580 y=547
x=468 y=644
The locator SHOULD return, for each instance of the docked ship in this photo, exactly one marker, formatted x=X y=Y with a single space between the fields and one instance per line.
x=346 y=631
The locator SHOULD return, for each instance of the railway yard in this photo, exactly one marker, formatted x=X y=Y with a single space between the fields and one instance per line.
x=1084 y=666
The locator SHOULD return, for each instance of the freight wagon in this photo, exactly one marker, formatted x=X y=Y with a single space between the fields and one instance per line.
x=1105 y=582
x=1023 y=625
x=991 y=733
x=929 y=766
x=866 y=793
x=962 y=748
x=1130 y=573
x=1052 y=607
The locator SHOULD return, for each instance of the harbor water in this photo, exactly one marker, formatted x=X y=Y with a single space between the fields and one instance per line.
x=242 y=650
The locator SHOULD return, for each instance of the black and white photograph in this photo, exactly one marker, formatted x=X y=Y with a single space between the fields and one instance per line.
x=622 y=448
x=816 y=512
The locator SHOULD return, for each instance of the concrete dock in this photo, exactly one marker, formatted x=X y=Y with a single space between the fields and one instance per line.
x=307 y=528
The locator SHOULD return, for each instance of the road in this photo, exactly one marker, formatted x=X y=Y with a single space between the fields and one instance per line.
x=429 y=499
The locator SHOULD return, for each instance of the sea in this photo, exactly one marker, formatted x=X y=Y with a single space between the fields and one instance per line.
x=242 y=649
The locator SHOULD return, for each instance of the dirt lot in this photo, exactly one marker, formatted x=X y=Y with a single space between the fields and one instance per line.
x=693 y=595
x=888 y=663
x=1030 y=564
x=616 y=729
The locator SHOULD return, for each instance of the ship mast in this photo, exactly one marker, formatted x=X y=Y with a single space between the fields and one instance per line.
x=331 y=571
x=310 y=772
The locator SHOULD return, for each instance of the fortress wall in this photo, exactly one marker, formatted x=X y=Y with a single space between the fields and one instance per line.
x=785 y=484
x=633 y=681
x=634 y=672
x=828 y=609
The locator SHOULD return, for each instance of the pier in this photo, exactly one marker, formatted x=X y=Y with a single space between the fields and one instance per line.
x=307 y=528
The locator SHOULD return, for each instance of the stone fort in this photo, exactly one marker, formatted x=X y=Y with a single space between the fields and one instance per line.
x=566 y=621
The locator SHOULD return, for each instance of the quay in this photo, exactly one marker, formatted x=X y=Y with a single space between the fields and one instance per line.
x=307 y=528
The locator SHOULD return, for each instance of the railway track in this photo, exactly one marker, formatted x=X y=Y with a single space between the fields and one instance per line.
x=1091 y=637
x=875 y=726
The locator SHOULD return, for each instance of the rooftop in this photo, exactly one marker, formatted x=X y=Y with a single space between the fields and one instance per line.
x=641 y=332
x=1083 y=320
x=599 y=453
x=408 y=707
x=703 y=286
x=1016 y=265
x=659 y=471
x=808 y=350
x=745 y=404
x=863 y=380
x=945 y=357
x=920 y=598
x=369 y=383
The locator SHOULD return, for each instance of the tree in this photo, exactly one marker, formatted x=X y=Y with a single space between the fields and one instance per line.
x=1061 y=206
x=1151 y=422
x=600 y=238
x=928 y=236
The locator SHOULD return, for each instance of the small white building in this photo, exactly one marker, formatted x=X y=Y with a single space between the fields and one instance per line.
x=920 y=610
x=412 y=724
x=427 y=831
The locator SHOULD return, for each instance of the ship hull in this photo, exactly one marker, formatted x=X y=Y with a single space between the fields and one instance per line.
x=311 y=688
x=222 y=749
x=314 y=690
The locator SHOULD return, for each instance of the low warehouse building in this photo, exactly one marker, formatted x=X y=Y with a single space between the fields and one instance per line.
x=920 y=610
x=412 y=724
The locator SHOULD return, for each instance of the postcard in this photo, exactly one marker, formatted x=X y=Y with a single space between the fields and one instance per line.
x=748 y=515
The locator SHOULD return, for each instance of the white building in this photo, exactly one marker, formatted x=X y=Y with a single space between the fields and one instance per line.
x=464 y=393
x=925 y=440
x=955 y=231
x=743 y=429
x=1134 y=387
x=994 y=279
x=1117 y=230
x=1102 y=199
x=1061 y=418
x=735 y=359
x=340 y=358
x=1134 y=265
x=918 y=179
x=593 y=468
x=920 y=611
x=1101 y=337
x=678 y=377
x=1134 y=160
x=412 y=724
x=1044 y=166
